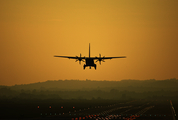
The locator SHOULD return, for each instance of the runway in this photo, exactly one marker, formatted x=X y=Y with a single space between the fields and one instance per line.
x=139 y=109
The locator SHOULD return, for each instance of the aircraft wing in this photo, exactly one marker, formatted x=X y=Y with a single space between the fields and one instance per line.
x=108 y=57
x=113 y=57
x=71 y=57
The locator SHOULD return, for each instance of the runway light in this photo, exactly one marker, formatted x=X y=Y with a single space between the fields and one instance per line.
x=38 y=107
x=61 y=106
x=49 y=106
x=73 y=107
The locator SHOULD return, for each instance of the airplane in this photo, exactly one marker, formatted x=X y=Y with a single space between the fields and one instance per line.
x=89 y=61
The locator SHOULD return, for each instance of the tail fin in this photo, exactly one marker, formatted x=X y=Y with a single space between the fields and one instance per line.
x=89 y=50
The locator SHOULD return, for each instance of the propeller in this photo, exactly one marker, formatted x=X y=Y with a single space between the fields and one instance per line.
x=79 y=59
x=100 y=59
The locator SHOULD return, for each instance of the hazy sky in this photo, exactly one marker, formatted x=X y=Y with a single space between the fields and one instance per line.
x=33 y=31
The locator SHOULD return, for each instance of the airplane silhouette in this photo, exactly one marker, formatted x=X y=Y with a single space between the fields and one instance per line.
x=90 y=60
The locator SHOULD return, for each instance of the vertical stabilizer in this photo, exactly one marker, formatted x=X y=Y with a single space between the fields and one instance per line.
x=89 y=50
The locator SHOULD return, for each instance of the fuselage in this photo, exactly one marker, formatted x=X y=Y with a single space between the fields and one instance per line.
x=89 y=63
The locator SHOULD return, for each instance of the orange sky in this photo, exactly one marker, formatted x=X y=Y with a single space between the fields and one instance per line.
x=33 y=31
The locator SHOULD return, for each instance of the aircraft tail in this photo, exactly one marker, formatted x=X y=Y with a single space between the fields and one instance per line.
x=89 y=50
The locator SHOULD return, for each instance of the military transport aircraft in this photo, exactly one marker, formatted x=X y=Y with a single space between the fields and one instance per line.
x=90 y=60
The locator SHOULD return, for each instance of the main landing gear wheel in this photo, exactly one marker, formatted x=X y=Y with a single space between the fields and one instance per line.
x=84 y=67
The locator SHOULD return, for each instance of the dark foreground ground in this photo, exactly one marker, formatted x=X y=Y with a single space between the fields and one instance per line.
x=88 y=109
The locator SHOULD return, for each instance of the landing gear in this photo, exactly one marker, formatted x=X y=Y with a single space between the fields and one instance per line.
x=84 y=67
x=95 y=66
